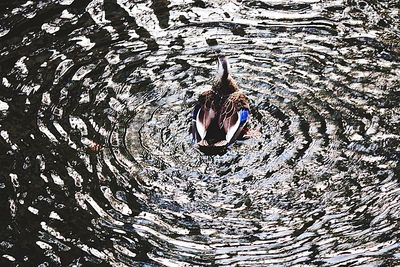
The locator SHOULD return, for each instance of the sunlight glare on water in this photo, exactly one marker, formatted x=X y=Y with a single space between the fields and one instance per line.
x=97 y=165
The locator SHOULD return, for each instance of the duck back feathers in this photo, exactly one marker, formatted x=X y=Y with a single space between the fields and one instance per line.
x=222 y=112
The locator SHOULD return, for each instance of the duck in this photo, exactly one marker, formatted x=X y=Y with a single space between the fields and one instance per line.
x=222 y=113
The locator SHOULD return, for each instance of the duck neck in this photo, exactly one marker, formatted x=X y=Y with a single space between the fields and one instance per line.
x=225 y=84
x=224 y=87
x=223 y=68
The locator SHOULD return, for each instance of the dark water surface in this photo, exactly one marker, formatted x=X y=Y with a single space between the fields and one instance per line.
x=96 y=161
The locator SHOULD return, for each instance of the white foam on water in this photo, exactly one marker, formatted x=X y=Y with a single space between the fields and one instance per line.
x=120 y=206
x=33 y=210
x=116 y=105
x=43 y=245
x=78 y=123
x=46 y=131
x=60 y=130
x=4 y=32
x=143 y=15
x=6 y=83
x=54 y=215
x=96 y=11
x=123 y=249
x=145 y=231
x=62 y=68
x=84 y=98
x=100 y=211
x=57 y=179
x=82 y=72
x=50 y=28
x=44 y=178
x=84 y=42
x=28 y=3
x=30 y=88
x=14 y=180
x=9 y=257
x=20 y=65
x=3 y=106
x=112 y=58
x=114 y=34
x=66 y=15
x=65 y=2
x=76 y=176
x=29 y=15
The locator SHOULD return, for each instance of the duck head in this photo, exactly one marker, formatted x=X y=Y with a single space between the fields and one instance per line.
x=223 y=68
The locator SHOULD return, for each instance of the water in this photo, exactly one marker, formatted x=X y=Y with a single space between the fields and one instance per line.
x=97 y=165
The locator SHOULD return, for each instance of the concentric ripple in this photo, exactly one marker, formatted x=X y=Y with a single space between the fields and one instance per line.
x=98 y=165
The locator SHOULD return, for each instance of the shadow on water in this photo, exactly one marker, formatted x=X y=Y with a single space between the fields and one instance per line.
x=97 y=166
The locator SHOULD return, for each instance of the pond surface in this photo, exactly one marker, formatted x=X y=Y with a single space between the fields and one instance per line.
x=97 y=167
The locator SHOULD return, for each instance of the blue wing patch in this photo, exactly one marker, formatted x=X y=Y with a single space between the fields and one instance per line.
x=244 y=115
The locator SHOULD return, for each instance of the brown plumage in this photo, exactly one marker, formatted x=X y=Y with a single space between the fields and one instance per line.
x=222 y=112
x=230 y=107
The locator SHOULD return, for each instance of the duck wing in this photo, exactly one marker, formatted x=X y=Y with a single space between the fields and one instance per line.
x=235 y=113
x=203 y=114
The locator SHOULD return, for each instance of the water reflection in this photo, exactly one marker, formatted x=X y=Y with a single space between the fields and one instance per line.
x=97 y=165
